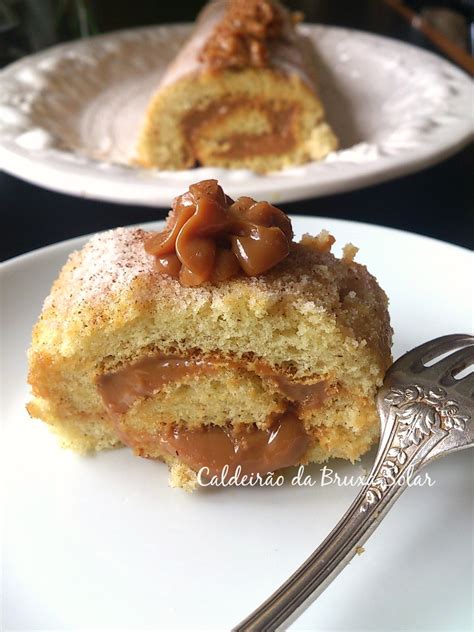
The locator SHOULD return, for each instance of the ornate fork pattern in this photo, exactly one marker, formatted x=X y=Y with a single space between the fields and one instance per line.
x=425 y=412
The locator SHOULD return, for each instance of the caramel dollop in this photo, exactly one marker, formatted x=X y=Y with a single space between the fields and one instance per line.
x=241 y=38
x=211 y=238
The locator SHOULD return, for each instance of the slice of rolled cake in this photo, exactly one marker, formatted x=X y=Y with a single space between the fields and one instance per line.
x=216 y=343
x=241 y=94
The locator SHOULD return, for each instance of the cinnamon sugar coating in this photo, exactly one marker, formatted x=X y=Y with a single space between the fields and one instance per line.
x=113 y=277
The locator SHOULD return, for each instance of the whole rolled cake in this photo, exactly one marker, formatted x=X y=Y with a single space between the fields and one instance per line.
x=217 y=343
x=241 y=93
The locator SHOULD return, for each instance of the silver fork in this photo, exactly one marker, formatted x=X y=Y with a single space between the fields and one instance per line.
x=425 y=412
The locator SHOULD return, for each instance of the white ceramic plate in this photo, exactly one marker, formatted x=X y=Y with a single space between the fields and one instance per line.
x=69 y=116
x=103 y=543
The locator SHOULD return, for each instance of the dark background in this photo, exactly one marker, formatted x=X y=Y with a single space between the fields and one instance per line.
x=437 y=201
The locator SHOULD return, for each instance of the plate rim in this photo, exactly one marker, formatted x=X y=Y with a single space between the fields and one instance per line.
x=89 y=178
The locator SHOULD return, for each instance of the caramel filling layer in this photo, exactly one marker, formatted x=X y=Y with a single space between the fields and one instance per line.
x=255 y=450
x=120 y=389
x=279 y=139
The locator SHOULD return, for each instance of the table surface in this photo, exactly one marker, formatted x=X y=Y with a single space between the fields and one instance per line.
x=437 y=201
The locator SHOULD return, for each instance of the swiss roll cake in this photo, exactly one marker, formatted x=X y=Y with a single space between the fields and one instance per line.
x=241 y=93
x=218 y=344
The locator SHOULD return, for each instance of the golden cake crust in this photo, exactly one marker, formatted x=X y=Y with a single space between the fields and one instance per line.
x=112 y=278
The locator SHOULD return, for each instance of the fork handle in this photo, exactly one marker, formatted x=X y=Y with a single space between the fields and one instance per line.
x=311 y=579
x=420 y=425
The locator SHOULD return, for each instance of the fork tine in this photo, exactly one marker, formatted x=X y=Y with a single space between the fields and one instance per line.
x=445 y=370
x=447 y=345
x=414 y=359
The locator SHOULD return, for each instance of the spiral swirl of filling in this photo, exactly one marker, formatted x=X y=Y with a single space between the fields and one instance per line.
x=210 y=238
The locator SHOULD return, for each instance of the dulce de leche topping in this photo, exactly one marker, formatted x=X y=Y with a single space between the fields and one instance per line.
x=241 y=37
x=209 y=237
